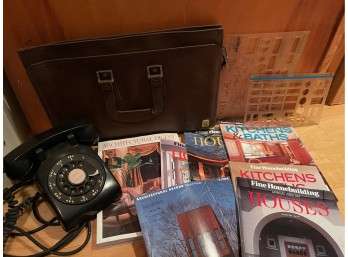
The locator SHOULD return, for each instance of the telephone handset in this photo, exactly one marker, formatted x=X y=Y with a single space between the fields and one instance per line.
x=73 y=178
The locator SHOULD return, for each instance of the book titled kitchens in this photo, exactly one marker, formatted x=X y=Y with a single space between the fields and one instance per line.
x=264 y=144
x=292 y=175
x=282 y=220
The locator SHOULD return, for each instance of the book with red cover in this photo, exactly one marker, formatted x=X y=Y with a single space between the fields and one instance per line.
x=279 y=145
x=292 y=175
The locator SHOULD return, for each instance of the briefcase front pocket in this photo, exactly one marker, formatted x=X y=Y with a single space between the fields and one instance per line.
x=133 y=93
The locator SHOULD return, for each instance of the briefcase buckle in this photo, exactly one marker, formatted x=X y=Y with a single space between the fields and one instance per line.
x=105 y=76
x=154 y=71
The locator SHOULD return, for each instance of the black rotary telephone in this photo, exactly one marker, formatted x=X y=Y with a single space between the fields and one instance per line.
x=70 y=174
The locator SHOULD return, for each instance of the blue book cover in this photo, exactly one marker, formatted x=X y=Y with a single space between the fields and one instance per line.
x=207 y=156
x=192 y=219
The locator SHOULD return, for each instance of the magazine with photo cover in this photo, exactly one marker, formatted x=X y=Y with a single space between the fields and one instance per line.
x=270 y=144
x=192 y=219
x=136 y=164
x=292 y=175
x=281 y=220
x=207 y=154
x=174 y=165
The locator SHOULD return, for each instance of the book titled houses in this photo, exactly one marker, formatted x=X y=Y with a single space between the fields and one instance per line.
x=136 y=164
x=194 y=219
x=281 y=220
x=207 y=154
x=264 y=145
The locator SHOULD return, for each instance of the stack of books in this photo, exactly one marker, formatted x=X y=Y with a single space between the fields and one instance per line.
x=231 y=191
x=285 y=206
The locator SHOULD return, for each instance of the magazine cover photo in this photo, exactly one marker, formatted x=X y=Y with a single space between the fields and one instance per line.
x=192 y=219
x=285 y=221
x=277 y=145
x=136 y=164
x=207 y=155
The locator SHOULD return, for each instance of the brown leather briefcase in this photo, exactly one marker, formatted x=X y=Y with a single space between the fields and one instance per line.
x=165 y=81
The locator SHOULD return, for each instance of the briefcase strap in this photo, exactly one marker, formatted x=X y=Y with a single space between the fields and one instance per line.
x=112 y=96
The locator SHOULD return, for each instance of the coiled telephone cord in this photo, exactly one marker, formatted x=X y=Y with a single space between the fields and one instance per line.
x=15 y=210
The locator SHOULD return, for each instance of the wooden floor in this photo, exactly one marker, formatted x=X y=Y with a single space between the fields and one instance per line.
x=326 y=144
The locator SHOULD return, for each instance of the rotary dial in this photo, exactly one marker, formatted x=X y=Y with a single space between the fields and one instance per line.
x=76 y=178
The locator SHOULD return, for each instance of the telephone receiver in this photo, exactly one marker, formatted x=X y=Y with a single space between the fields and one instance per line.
x=71 y=175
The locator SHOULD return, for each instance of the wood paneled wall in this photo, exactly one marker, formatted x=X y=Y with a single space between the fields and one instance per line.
x=36 y=22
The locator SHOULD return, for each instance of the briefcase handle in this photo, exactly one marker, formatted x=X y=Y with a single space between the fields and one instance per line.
x=112 y=96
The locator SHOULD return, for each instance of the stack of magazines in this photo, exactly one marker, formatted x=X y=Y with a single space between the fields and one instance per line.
x=232 y=191
x=285 y=206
